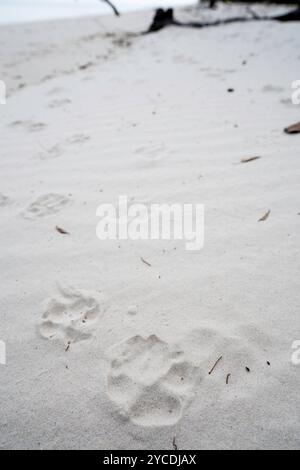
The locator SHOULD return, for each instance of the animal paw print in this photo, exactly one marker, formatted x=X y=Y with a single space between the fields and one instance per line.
x=4 y=200
x=29 y=125
x=78 y=139
x=47 y=204
x=151 y=152
x=150 y=382
x=70 y=317
x=59 y=103
x=57 y=150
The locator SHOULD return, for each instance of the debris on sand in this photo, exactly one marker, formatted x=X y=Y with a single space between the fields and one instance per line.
x=61 y=230
x=265 y=216
x=145 y=262
x=249 y=159
x=174 y=444
x=293 y=129
x=85 y=66
x=215 y=365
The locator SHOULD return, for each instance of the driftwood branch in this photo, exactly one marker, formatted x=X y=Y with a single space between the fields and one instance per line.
x=164 y=18
x=112 y=6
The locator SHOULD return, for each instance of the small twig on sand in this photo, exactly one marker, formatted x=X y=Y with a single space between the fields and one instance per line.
x=250 y=159
x=215 y=365
x=61 y=230
x=174 y=444
x=68 y=346
x=227 y=378
x=265 y=217
x=145 y=262
x=115 y=10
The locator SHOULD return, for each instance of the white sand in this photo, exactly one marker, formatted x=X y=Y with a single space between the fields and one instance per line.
x=149 y=118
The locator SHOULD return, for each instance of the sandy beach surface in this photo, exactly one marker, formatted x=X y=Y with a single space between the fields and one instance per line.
x=103 y=350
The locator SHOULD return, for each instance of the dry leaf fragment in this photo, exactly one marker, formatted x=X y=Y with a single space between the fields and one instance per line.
x=85 y=66
x=250 y=159
x=145 y=262
x=265 y=217
x=61 y=230
x=294 y=129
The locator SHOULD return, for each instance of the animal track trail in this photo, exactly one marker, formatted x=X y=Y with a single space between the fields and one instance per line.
x=59 y=103
x=4 y=200
x=57 y=150
x=70 y=317
x=53 y=152
x=78 y=139
x=151 y=382
x=151 y=152
x=29 y=125
x=270 y=88
x=45 y=205
x=55 y=91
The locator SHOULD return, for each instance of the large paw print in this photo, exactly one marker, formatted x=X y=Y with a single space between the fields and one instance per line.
x=150 y=382
x=46 y=205
x=70 y=317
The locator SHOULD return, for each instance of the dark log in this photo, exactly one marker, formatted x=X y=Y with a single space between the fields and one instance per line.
x=163 y=18
x=291 y=16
